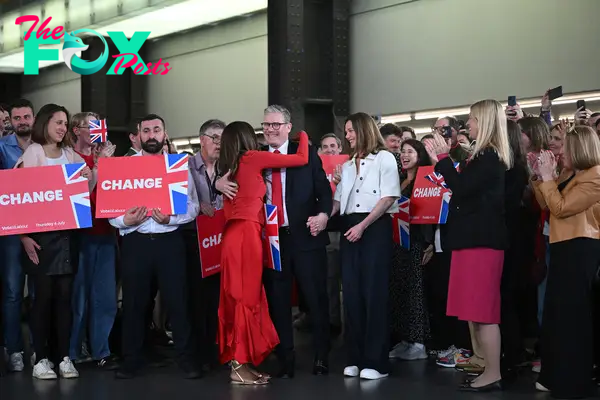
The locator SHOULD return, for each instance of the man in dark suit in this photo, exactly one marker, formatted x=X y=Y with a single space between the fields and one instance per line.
x=306 y=203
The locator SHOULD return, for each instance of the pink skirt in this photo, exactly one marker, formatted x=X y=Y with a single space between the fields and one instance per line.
x=474 y=288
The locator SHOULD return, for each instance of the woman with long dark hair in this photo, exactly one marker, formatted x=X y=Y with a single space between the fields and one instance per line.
x=52 y=257
x=408 y=310
x=246 y=333
x=365 y=197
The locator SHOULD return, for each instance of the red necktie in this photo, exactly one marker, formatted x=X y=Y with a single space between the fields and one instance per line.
x=277 y=192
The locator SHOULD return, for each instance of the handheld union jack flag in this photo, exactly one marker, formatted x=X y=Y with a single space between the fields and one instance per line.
x=98 y=131
x=401 y=223
x=80 y=201
x=271 y=239
x=438 y=179
x=178 y=188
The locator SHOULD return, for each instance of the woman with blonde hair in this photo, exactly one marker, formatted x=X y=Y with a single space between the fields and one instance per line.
x=574 y=206
x=365 y=196
x=477 y=234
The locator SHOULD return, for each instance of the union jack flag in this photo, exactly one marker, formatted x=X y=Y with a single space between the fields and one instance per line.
x=438 y=179
x=177 y=178
x=271 y=239
x=80 y=202
x=98 y=131
x=401 y=222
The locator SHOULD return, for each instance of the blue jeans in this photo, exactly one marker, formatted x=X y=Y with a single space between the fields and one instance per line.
x=94 y=299
x=13 y=280
x=542 y=286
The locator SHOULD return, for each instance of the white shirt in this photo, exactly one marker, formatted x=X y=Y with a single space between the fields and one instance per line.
x=378 y=178
x=151 y=226
x=283 y=150
x=62 y=160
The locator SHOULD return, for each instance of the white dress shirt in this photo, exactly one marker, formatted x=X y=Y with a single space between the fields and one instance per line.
x=283 y=150
x=151 y=226
x=378 y=178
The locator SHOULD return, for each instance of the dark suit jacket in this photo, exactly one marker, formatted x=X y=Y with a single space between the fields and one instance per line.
x=307 y=193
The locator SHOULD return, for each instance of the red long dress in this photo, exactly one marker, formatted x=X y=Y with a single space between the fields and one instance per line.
x=246 y=332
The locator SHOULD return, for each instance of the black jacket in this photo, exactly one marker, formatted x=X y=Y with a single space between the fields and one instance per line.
x=476 y=217
x=307 y=193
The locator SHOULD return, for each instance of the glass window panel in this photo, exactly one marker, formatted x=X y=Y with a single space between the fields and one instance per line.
x=79 y=14
x=135 y=6
x=105 y=10
x=57 y=10
x=11 y=31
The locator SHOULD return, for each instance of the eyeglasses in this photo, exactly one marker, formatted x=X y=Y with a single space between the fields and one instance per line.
x=274 y=125
x=215 y=139
x=439 y=129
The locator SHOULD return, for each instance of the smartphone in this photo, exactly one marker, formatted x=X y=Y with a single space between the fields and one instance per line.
x=447 y=132
x=512 y=101
x=555 y=93
x=580 y=104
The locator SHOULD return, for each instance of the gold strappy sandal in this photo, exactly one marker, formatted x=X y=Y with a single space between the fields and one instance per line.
x=235 y=366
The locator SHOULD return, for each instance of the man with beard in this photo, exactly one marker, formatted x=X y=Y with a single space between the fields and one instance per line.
x=11 y=148
x=152 y=245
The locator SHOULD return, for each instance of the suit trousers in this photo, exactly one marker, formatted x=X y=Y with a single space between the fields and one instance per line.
x=366 y=266
x=144 y=256
x=310 y=270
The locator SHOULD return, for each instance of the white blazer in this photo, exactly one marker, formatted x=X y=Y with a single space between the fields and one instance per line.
x=378 y=178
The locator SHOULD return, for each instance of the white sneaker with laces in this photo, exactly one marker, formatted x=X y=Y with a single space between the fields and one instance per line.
x=351 y=371
x=415 y=351
x=67 y=369
x=15 y=362
x=42 y=370
x=33 y=357
x=372 y=374
x=399 y=349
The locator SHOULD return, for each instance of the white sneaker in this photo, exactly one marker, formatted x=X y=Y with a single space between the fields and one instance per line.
x=372 y=374
x=15 y=362
x=42 y=370
x=351 y=371
x=67 y=369
x=399 y=349
x=32 y=360
x=415 y=351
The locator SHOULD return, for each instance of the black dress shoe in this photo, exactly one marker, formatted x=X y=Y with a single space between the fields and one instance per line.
x=320 y=367
x=287 y=365
x=492 y=387
x=124 y=373
x=190 y=371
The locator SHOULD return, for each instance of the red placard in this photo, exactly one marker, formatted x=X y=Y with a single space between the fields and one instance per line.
x=210 y=233
x=329 y=164
x=430 y=198
x=41 y=199
x=153 y=181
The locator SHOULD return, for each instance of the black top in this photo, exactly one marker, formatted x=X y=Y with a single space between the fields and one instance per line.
x=476 y=217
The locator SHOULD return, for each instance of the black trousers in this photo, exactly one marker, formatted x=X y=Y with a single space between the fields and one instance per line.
x=567 y=370
x=310 y=270
x=365 y=269
x=144 y=256
x=203 y=303
x=51 y=308
x=445 y=331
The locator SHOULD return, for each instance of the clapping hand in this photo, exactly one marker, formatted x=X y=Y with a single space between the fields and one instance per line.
x=546 y=165
x=86 y=172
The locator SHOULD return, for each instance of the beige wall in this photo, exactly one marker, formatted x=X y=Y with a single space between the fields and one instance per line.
x=217 y=72
x=55 y=84
x=424 y=54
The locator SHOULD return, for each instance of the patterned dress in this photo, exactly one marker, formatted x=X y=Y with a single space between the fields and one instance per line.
x=409 y=318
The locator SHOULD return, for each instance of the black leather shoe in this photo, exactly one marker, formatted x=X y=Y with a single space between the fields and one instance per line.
x=190 y=371
x=286 y=367
x=124 y=373
x=492 y=387
x=320 y=367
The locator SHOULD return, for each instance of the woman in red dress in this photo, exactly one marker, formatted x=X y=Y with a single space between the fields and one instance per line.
x=246 y=333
